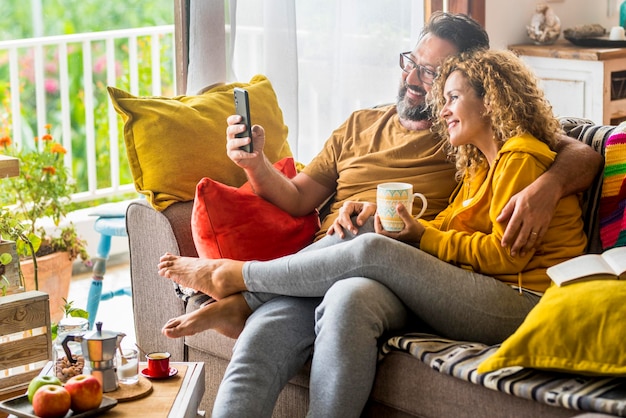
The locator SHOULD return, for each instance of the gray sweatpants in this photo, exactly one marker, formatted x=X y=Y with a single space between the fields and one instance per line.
x=458 y=303
x=366 y=284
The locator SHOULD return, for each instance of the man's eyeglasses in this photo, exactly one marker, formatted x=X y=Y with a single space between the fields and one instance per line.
x=426 y=75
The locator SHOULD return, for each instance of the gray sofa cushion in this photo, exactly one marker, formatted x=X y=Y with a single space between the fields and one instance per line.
x=460 y=359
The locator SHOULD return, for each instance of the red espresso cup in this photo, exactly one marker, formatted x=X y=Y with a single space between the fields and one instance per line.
x=158 y=364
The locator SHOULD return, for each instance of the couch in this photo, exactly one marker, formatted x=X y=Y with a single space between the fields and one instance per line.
x=411 y=381
x=406 y=385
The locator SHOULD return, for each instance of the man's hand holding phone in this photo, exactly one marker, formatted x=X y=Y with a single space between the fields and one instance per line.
x=242 y=108
x=237 y=129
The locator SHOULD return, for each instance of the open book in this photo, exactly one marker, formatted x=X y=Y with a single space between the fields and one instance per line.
x=610 y=265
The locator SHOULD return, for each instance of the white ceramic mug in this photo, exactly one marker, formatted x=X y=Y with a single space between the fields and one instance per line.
x=617 y=33
x=388 y=195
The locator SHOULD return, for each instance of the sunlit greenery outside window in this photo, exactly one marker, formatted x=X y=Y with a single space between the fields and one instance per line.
x=20 y=19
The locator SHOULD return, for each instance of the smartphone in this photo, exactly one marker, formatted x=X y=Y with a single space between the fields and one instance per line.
x=242 y=108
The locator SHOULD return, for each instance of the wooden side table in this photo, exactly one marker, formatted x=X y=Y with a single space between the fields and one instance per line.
x=186 y=389
x=185 y=404
x=190 y=391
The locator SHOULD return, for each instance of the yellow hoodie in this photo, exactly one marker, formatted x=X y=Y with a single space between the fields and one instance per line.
x=466 y=232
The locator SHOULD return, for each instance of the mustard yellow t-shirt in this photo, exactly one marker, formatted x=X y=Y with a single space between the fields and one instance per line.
x=372 y=147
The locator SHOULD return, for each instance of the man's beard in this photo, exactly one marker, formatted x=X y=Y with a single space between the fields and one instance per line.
x=406 y=111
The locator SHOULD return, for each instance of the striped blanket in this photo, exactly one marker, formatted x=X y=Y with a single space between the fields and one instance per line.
x=461 y=359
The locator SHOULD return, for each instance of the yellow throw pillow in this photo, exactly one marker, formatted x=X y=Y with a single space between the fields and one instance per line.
x=172 y=143
x=577 y=328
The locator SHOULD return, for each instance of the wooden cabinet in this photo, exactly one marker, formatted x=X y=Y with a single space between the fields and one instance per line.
x=580 y=82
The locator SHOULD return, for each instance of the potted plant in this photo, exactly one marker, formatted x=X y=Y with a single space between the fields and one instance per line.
x=42 y=189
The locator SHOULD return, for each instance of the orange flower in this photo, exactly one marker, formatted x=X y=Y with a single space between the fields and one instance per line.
x=5 y=141
x=58 y=149
x=47 y=137
x=47 y=126
x=49 y=170
x=36 y=139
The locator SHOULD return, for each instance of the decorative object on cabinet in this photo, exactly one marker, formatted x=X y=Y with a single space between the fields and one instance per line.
x=593 y=30
x=545 y=26
x=592 y=35
x=599 y=42
x=617 y=33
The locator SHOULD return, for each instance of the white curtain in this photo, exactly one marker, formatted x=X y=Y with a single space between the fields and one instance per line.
x=325 y=58
x=207 y=45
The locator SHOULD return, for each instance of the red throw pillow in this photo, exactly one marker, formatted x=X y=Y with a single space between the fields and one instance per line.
x=235 y=223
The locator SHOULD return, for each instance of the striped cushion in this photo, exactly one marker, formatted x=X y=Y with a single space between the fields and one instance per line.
x=460 y=359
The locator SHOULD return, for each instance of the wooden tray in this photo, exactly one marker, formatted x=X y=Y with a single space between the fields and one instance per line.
x=20 y=407
x=596 y=42
x=125 y=393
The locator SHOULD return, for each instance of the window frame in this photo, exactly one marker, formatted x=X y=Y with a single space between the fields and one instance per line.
x=473 y=8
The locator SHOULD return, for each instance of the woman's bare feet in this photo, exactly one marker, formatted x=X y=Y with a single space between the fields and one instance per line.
x=216 y=278
x=227 y=316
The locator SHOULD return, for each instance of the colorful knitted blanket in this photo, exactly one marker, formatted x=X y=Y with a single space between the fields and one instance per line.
x=612 y=210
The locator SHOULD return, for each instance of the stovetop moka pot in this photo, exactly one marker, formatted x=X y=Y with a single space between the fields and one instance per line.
x=99 y=348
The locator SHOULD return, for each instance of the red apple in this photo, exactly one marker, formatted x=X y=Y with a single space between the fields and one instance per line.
x=39 y=381
x=85 y=391
x=51 y=401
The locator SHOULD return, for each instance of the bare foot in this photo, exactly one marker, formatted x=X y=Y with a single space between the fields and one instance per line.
x=216 y=278
x=227 y=316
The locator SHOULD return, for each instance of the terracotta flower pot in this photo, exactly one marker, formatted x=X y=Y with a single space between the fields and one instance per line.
x=54 y=276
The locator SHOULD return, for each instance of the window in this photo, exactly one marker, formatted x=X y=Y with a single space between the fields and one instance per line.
x=473 y=8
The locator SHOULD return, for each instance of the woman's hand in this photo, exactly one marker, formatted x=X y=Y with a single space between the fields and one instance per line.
x=412 y=231
x=363 y=210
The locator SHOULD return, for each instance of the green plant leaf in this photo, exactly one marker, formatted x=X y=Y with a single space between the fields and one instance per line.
x=54 y=329
x=5 y=258
x=78 y=313
x=69 y=310
x=4 y=283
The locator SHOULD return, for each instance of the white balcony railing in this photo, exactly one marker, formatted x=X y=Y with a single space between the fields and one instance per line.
x=61 y=80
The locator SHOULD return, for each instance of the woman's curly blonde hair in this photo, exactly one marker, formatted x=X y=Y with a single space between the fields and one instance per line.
x=514 y=103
